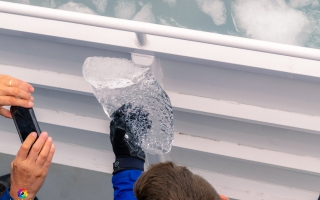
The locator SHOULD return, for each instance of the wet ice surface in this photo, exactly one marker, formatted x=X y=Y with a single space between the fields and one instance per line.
x=169 y=21
x=48 y=3
x=22 y=1
x=303 y=3
x=116 y=82
x=271 y=20
x=78 y=7
x=145 y=14
x=215 y=9
x=171 y=3
x=100 y=5
x=294 y=22
x=314 y=37
x=125 y=9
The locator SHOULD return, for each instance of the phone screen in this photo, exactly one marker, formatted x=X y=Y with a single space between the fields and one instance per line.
x=24 y=122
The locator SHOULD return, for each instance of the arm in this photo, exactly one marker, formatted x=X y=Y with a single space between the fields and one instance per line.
x=6 y=195
x=123 y=184
x=130 y=158
x=28 y=169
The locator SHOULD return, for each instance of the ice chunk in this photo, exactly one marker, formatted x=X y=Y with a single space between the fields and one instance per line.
x=314 y=40
x=141 y=3
x=271 y=20
x=215 y=9
x=171 y=3
x=76 y=7
x=23 y=1
x=169 y=21
x=315 y=3
x=49 y=3
x=117 y=82
x=100 y=5
x=125 y=9
x=145 y=14
x=301 y=3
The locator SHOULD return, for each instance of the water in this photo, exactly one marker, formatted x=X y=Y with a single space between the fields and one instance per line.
x=149 y=116
x=294 y=22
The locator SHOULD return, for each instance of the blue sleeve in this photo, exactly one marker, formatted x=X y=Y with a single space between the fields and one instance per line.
x=123 y=183
x=6 y=195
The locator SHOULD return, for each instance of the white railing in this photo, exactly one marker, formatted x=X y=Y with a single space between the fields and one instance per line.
x=141 y=28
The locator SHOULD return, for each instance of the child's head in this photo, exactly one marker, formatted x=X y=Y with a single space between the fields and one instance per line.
x=167 y=181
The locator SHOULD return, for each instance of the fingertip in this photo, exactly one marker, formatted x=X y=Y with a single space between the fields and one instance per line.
x=31 y=89
x=8 y=115
x=44 y=134
x=34 y=134
x=53 y=146
x=30 y=104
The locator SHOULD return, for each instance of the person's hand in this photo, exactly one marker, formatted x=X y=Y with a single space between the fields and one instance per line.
x=29 y=169
x=129 y=154
x=14 y=92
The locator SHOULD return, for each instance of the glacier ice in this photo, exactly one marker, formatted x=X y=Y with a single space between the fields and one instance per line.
x=125 y=9
x=100 y=5
x=271 y=20
x=169 y=21
x=171 y=3
x=117 y=82
x=215 y=9
x=76 y=7
x=145 y=14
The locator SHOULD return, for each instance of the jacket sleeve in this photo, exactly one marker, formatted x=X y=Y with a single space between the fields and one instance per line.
x=6 y=196
x=123 y=184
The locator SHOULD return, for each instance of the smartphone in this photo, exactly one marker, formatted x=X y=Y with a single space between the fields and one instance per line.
x=25 y=121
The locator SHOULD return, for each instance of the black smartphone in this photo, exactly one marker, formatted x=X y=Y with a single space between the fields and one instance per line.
x=25 y=121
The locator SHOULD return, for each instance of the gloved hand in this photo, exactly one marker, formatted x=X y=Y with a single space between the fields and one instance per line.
x=129 y=154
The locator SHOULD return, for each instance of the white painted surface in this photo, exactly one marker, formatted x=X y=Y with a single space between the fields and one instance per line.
x=99 y=161
x=252 y=190
x=182 y=102
x=217 y=55
x=249 y=119
x=66 y=154
x=294 y=162
x=230 y=150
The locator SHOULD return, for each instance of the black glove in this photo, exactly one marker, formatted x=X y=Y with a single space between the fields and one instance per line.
x=129 y=154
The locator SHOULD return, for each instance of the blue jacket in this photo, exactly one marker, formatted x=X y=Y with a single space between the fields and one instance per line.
x=6 y=196
x=123 y=183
